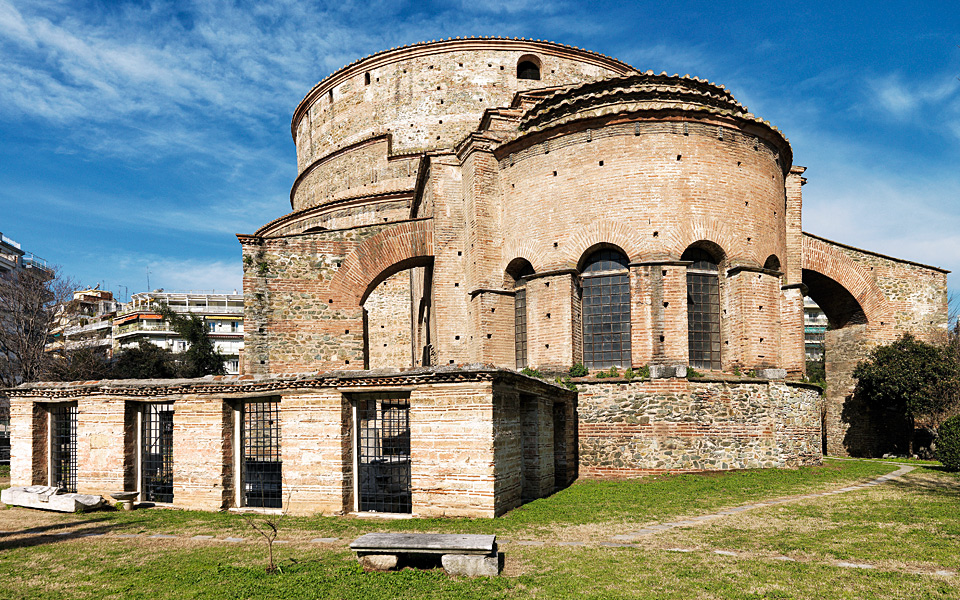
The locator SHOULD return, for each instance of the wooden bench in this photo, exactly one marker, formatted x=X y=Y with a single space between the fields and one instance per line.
x=469 y=555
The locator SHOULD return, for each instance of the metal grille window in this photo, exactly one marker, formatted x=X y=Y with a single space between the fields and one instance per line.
x=703 y=309
x=383 y=453
x=520 y=326
x=262 y=468
x=158 y=452
x=606 y=310
x=4 y=433
x=63 y=447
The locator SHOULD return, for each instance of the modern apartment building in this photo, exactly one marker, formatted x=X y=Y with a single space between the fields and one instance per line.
x=87 y=322
x=814 y=328
x=222 y=313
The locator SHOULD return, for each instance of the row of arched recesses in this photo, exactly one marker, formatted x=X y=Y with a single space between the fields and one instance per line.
x=606 y=309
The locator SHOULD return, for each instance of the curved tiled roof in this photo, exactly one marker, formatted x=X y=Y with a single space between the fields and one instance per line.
x=639 y=92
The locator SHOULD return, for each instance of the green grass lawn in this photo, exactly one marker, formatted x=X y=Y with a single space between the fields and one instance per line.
x=899 y=527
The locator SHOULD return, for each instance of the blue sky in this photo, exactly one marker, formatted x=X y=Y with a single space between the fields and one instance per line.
x=137 y=137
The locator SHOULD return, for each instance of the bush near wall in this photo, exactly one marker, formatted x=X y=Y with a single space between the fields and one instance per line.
x=948 y=443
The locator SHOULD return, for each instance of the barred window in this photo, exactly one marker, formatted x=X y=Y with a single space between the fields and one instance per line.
x=606 y=310
x=703 y=309
x=262 y=467
x=520 y=326
x=517 y=271
x=63 y=442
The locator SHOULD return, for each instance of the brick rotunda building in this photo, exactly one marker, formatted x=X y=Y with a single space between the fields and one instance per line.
x=467 y=208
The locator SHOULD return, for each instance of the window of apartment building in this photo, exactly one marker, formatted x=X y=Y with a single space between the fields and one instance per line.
x=63 y=447
x=156 y=457
x=606 y=309
x=260 y=465
x=211 y=326
x=703 y=308
x=382 y=459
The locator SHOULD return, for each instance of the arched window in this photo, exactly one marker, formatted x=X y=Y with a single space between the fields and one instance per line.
x=528 y=67
x=703 y=308
x=606 y=310
x=772 y=263
x=366 y=79
x=517 y=270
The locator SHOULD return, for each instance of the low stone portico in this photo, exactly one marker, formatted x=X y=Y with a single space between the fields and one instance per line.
x=477 y=442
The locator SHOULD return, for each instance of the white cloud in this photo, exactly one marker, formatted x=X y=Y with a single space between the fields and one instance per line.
x=195 y=275
x=901 y=99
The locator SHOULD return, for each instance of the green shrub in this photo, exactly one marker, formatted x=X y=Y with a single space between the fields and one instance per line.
x=948 y=443
x=532 y=372
x=578 y=370
x=643 y=373
x=629 y=374
x=693 y=373
x=601 y=374
x=565 y=382
x=613 y=372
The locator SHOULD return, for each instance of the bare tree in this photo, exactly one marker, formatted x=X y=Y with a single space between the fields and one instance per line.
x=268 y=526
x=30 y=303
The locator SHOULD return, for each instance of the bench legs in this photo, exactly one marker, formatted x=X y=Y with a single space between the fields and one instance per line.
x=463 y=565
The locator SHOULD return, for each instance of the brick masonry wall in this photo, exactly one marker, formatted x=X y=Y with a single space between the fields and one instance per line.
x=388 y=323
x=466 y=440
x=430 y=96
x=102 y=435
x=203 y=447
x=673 y=425
x=897 y=297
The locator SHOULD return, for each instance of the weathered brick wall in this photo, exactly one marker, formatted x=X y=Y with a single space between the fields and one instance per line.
x=317 y=452
x=203 y=447
x=671 y=425
x=303 y=294
x=466 y=438
x=102 y=436
x=452 y=451
x=430 y=96
x=29 y=444
x=388 y=323
x=896 y=297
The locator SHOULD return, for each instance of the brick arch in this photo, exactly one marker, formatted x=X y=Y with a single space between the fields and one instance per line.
x=600 y=233
x=522 y=248
x=390 y=251
x=831 y=262
x=702 y=230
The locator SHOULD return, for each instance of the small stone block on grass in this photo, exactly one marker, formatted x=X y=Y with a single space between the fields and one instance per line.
x=378 y=562
x=466 y=565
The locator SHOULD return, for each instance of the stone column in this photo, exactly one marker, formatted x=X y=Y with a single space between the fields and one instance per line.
x=102 y=435
x=666 y=282
x=792 y=349
x=754 y=318
x=203 y=453
x=29 y=442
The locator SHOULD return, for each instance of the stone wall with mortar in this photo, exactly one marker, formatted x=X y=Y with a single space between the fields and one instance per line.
x=675 y=425
x=426 y=96
x=896 y=297
x=388 y=323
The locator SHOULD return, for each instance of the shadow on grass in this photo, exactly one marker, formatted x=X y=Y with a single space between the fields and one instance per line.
x=59 y=532
x=945 y=487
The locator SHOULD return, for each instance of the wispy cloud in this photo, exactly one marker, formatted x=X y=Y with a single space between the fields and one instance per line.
x=902 y=99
